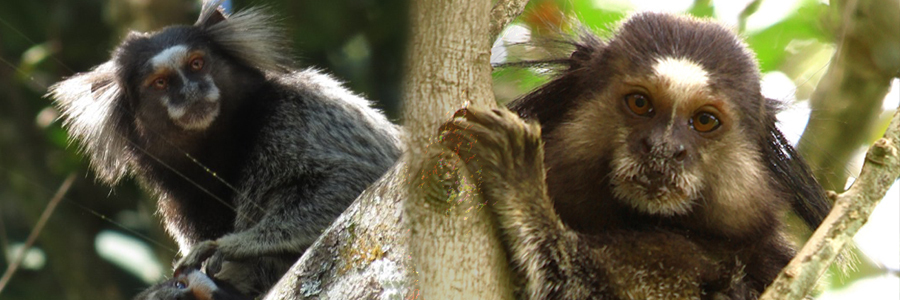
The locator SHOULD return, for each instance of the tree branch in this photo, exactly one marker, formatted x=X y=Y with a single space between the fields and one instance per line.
x=32 y=237
x=846 y=102
x=362 y=255
x=849 y=96
x=504 y=12
x=851 y=210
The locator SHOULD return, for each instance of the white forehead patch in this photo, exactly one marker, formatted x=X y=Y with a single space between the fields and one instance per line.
x=685 y=77
x=171 y=57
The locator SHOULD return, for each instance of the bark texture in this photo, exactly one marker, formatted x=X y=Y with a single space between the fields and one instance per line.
x=363 y=255
x=453 y=239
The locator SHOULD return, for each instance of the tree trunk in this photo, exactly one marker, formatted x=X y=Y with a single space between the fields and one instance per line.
x=363 y=255
x=847 y=101
x=453 y=239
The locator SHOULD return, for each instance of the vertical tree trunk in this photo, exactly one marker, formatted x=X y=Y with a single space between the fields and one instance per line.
x=453 y=240
x=847 y=101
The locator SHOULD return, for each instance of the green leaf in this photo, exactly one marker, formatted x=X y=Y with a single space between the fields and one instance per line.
x=770 y=43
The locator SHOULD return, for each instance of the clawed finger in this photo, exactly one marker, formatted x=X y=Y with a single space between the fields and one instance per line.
x=193 y=260
x=461 y=112
x=462 y=136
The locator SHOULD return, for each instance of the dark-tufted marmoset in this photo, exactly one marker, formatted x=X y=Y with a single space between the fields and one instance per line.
x=250 y=158
x=656 y=170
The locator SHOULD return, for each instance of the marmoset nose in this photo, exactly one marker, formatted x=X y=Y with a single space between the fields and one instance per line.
x=680 y=152
x=663 y=149
x=191 y=92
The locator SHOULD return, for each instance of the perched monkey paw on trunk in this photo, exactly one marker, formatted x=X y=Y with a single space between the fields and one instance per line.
x=495 y=145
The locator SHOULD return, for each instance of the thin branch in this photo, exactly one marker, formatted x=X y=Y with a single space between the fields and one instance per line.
x=32 y=237
x=504 y=12
x=4 y=241
x=851 y=210
x=749 y=10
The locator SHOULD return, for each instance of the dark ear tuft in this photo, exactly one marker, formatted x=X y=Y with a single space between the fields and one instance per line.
x=211 y=14
x=794 y=176
x=587 y=47
x=549 y=105
x=101 y=83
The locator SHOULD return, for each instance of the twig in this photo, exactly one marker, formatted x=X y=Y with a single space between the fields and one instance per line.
x=504 y=12
x=32 y=237
x=851 y=210
x=4 y=241
x=749 y=10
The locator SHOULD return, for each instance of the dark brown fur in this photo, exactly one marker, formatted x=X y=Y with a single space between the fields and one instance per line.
x=574 y=236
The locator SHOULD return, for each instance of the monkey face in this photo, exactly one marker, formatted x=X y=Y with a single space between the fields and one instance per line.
x=665 y=119
x=671 y=136
x=669 y=117
x=174 y=77
x=181 y=287
x=174 y=81
x=179 y=79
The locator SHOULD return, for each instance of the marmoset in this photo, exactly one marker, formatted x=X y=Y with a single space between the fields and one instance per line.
x=247 y=155
x=656 y=170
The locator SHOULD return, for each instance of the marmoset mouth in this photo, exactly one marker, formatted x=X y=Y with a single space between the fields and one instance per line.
x=654 y=192
x=654 y=188
x=195 y=116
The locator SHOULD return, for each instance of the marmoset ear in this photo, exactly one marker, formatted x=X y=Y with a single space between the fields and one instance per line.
x=211 y=14
x=93 y=108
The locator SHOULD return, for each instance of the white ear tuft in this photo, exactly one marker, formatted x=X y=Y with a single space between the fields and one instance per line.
x=254 y=37
x=210 y=14
x=90 y=104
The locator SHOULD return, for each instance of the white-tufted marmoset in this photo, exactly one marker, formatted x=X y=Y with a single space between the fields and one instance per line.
x=250 y=157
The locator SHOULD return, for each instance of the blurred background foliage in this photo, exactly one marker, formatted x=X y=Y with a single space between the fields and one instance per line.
x=105 y=243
